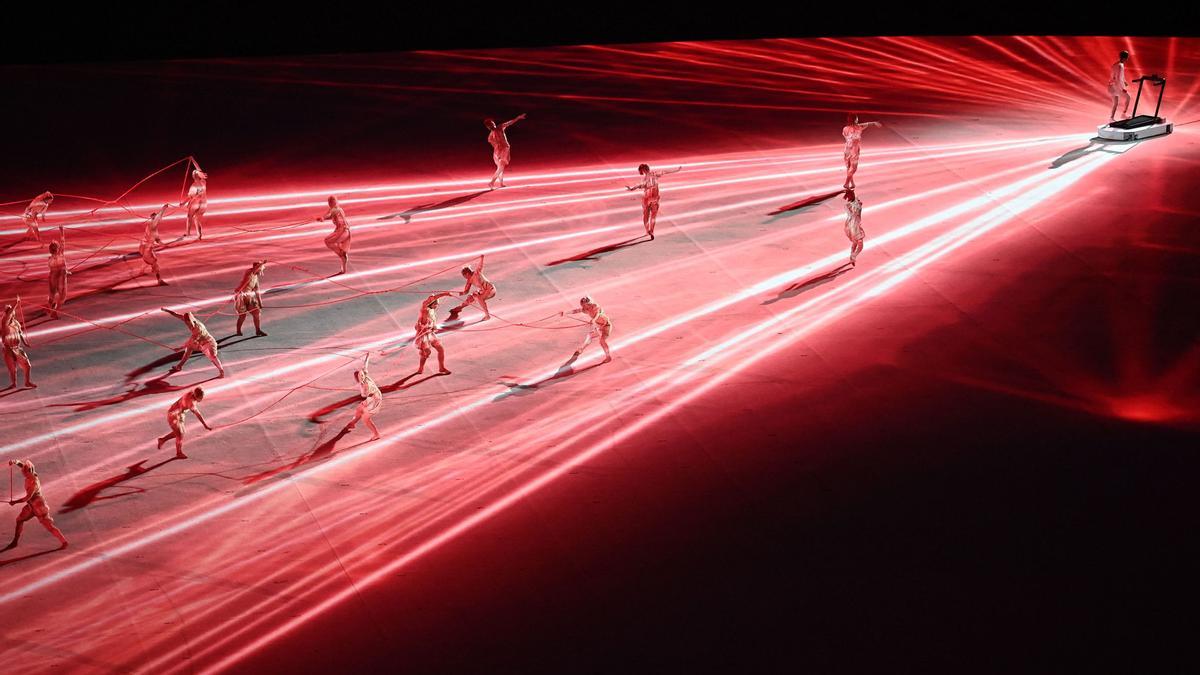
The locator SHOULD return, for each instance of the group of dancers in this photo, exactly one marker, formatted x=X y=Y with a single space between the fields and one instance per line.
x=247 y=299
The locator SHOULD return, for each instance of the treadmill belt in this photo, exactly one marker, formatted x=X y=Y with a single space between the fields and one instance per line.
x=1135 y=122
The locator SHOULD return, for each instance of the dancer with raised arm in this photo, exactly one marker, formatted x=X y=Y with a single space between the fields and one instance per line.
x=152 y=224
x=197 y=202
x=35 y=505
x=13 y=334
x=485 y=290
x=425 y=333
x=853 y=132
x=372 y=401
x=200 y=340
x=649 y=188
x=501 y=150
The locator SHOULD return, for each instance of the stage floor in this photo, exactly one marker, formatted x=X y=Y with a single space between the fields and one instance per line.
x=986 y=423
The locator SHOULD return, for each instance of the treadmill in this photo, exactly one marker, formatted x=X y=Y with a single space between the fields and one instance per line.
x=1138 y=126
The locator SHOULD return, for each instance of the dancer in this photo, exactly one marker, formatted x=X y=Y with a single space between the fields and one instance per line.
x=372 y=401
x=197 y=202
x=501 y=150
x=175 y=418
x=13 y=334
x=35 y=505
x=146 y=247
x=854 y=231
x=58 y=274
x=486 y=291
x=153 y=223
x=853 y=132
x=426 y=333
x=35 y=214
x=600 y=326
x=649 y=187
x=1117 y=86
x=200 y=340
x=339 y=241
x=247 y=299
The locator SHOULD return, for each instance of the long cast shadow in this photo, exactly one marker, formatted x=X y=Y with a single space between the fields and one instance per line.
x=91 y=493
x=809 y=284
x=807 y=201
x=240 y=338
x=399 y=385
x=9 y=390
x=1095 y=144
x=158 y=385
x=565 y=371
x=158 y=363
x=322 y=451
x=27 y=556
x=594 y=254
x=433 y=206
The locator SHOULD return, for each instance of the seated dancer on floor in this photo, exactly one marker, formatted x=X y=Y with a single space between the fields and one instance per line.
x=599 y=327
x=246 y=298
x=58 y=274
x=175 y=418
x=339 y=240
x=35 y=505
x=485 y=290
x=12 y=331
x=200 y=340
x=372 y=401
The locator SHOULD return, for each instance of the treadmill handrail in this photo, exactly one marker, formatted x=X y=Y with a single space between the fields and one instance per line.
x=1160 y=82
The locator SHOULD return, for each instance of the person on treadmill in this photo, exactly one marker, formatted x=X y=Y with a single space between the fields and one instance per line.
x=1118 y=87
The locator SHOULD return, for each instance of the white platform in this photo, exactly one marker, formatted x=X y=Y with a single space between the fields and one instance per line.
x=1150 y=131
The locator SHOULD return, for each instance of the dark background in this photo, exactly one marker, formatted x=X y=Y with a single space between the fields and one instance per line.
x=37 y=33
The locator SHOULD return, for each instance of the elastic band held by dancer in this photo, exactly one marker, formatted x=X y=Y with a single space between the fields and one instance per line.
x=34 y=504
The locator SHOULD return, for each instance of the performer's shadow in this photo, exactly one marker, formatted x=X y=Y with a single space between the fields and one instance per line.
x=157 y=363
x=565 y=371
x=399 y=385
x=45 y=317
x=91 y=493
x=9 y=390
x=119 y=258
x=595 y=254
x=798 y=207
x=28 y=556
x=321 y=452
x=433 y=206
x=1096 y=144
x=158 y=385
x=809 y=284
x=240 y=339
